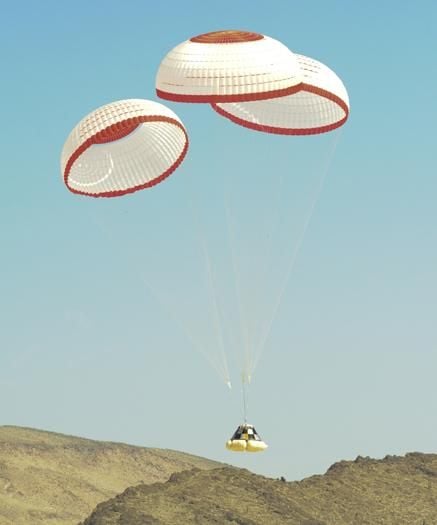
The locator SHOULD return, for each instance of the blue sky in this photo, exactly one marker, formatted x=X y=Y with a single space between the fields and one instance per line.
x=87 y=348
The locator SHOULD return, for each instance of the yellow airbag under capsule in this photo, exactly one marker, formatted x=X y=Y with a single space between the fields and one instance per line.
x=236 y=445
x=255 y=446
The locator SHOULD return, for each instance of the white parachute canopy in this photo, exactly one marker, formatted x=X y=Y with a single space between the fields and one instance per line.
x=321 y=105
x=228 y=66
x=123 y=147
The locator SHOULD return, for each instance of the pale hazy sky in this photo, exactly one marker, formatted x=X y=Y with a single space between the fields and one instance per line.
x=87 y=349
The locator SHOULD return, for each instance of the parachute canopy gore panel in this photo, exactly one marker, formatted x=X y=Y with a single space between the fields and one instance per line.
x=228 y=66
x=123 y=147
x=320 y=106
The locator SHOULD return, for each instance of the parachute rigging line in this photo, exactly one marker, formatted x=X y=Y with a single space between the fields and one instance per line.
x=217 y=317
x=165 y=304
x=297 y=248
x=221 y=371
x=244 y=393
x=237 y=279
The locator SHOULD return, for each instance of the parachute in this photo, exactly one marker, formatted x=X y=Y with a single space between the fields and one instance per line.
x=123 y=147
x=321 y=105
x=227 y=66
x=252 y=80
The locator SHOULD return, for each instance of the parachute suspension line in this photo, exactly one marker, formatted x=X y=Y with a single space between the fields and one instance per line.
x=217 y=318
x=158 y=297
x=272 y=230
x=237 y=280
x=317 y=192
x=196 y=345
x=216 y=314
x=244 y=386
x=265 y=264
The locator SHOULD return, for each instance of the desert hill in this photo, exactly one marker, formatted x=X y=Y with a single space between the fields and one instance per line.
x=48 y=478
x=392 y=491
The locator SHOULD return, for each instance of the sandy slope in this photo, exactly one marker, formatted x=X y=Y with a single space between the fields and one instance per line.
x=48 y=478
